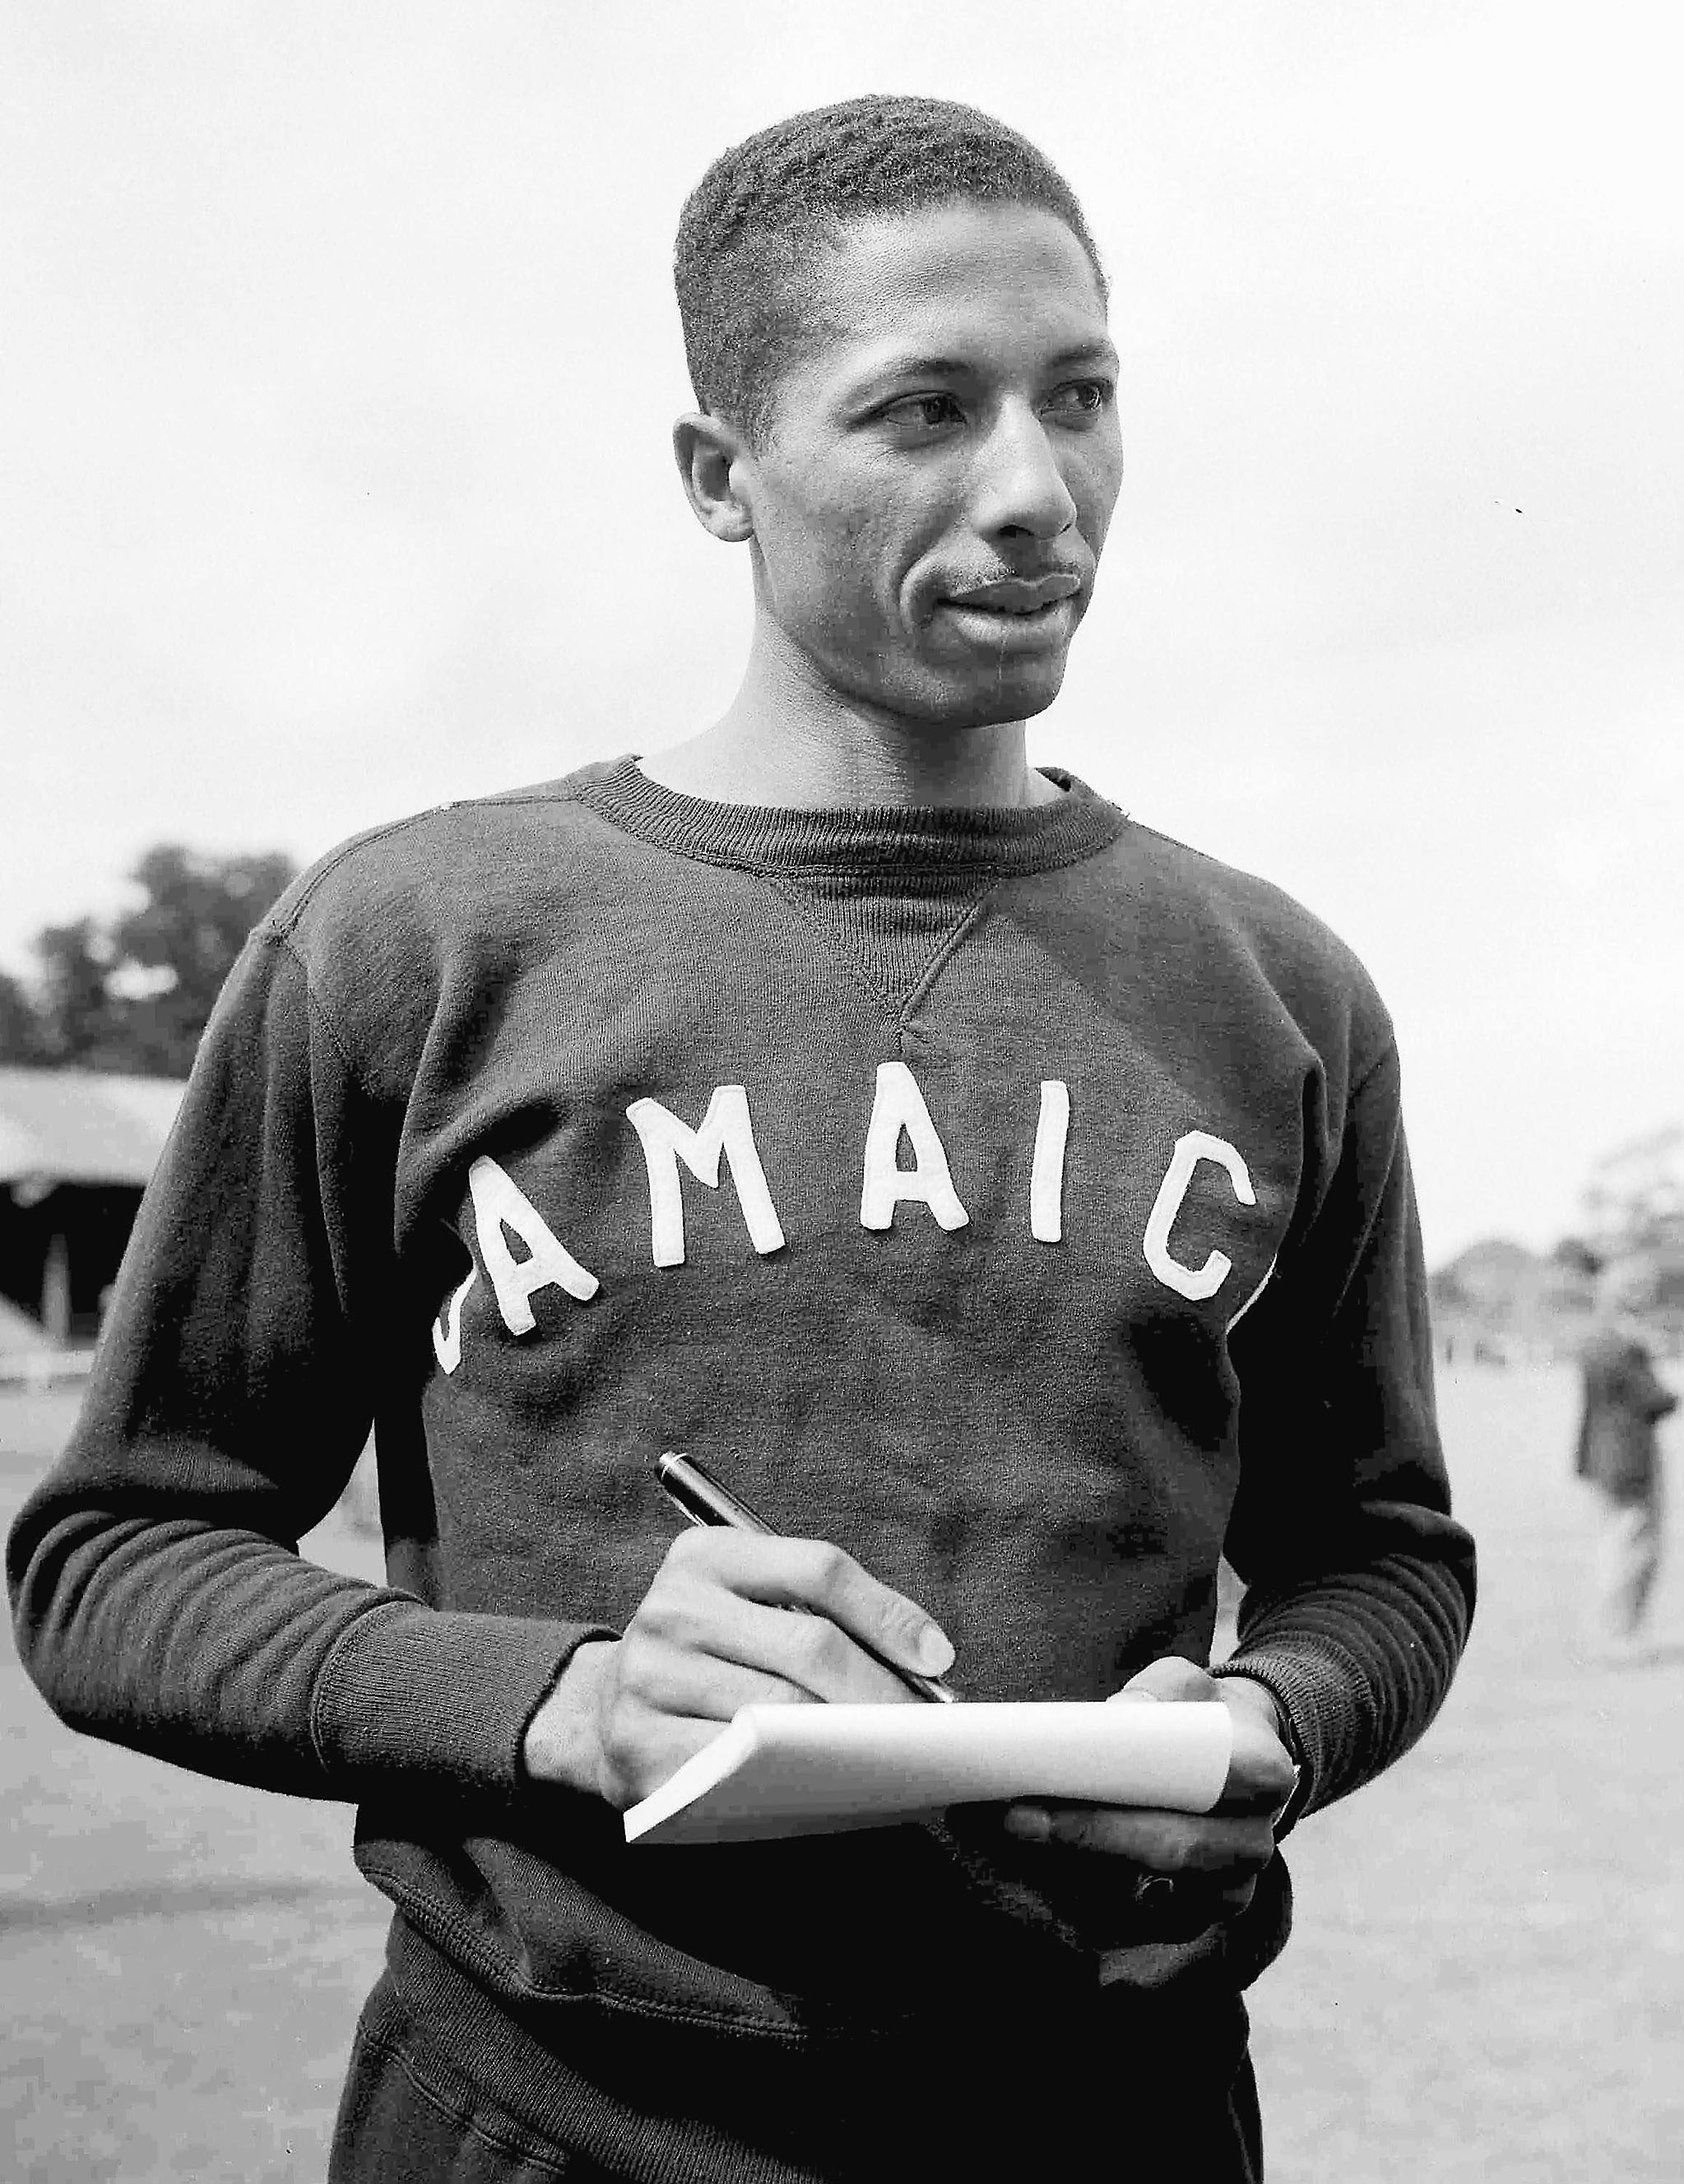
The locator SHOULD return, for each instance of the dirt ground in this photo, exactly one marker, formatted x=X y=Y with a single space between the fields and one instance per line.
x=1487 y=1981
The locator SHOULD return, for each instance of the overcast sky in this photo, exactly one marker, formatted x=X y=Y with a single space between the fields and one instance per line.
x=339 y=353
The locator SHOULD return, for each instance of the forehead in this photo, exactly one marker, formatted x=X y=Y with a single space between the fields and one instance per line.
x=979 y=283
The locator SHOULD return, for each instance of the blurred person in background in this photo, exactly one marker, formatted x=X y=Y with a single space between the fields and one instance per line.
x=1619 y=1454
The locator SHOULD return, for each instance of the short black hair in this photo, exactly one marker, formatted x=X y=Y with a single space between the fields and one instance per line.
x=746 y=263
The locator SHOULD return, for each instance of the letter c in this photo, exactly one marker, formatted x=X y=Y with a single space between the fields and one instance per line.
x=1192 y=1282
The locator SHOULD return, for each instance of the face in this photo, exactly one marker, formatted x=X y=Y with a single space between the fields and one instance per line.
x=929 y=503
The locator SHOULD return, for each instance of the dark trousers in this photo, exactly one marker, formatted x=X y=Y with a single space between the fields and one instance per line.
x=411 y=2115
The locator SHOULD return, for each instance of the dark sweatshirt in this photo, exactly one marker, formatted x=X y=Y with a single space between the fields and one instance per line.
x=1017 y=1198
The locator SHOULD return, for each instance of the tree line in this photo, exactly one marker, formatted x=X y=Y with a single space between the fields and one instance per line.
x=134 y=992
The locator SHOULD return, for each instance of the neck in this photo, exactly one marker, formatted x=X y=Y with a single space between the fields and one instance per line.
x=788 y=740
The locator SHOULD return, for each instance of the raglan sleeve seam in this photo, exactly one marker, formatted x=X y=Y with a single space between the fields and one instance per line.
x=1388 y=1053
x=317 y=1009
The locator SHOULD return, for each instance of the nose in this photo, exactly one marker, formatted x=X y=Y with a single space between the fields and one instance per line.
x=1020 y=488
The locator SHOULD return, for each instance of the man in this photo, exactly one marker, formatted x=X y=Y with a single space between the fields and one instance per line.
x=1047 y=1142
x=1617 y=1453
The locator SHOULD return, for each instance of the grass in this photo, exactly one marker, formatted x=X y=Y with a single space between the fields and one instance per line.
x=1487 y=1981
x=1487 y=1978
x=181 y=1961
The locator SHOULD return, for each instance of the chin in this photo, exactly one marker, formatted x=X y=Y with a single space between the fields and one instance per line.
x=987 y=702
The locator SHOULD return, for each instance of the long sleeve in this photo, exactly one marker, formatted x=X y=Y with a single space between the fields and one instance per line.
x=262 y=1320
x=1360 y=1585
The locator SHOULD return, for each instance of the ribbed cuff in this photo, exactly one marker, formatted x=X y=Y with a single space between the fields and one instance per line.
x=411 y=1690
x=1325 y=1697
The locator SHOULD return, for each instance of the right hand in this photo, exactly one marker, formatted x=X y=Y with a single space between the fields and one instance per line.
x=714 y=1633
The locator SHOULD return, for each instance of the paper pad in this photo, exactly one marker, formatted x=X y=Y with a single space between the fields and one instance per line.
x=790 y=1770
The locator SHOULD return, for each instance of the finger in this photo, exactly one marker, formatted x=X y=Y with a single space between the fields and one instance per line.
x=799 y=1656
x=815 y=1574
x=1237 y=1896
x=1187 y=1903
x=664 y=1678
x=1176 y=1843
x=1260 y=1775
x=1170 y=1677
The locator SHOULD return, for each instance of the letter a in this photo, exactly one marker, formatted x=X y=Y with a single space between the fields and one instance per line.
x=499 y=1203
x=1193 y=1282
x=900 y=1105
x=725 y=1128
x=446 y=1329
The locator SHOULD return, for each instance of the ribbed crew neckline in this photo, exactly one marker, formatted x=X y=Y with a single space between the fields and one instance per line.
x=995 y=838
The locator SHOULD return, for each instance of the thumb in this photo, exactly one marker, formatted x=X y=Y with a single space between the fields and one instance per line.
x=1170 y=1677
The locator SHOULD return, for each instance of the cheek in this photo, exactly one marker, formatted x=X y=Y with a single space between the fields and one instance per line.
x=1094 y=486
x=840 y=560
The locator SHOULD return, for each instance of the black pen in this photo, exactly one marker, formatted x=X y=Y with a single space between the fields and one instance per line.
x=704 y=1500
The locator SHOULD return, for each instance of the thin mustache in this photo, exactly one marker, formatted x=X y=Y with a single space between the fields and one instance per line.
x=961 y=587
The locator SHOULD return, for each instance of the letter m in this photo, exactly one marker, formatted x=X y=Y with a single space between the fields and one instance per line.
x=725 y=1128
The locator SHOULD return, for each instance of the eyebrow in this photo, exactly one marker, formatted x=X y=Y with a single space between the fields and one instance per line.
x=949 y=367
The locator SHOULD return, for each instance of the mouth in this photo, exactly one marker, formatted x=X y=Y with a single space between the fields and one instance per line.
x=1018 y=615
x=1023 y=596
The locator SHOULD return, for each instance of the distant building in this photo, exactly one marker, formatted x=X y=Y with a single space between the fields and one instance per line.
x=1496 y=1303
x=77 y=1148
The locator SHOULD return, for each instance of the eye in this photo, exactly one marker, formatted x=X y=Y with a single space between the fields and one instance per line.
x=1083 y=397
x=927 y=413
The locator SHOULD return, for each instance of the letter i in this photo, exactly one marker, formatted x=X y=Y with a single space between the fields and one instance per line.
x=1046 y=1176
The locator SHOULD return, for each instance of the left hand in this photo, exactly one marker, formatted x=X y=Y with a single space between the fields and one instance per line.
x=1211 y=1860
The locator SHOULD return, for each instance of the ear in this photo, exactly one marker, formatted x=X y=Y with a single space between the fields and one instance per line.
x=713 y=457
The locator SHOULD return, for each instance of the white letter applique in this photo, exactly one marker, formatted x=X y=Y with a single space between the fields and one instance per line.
x=900 y=1105
x=1189 y=1281
x=499 y=1203
x=1046 y=1175
x=726 y=1128
x=447 y=1329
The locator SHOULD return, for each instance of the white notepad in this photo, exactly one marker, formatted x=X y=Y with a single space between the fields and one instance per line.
x=792 y=1770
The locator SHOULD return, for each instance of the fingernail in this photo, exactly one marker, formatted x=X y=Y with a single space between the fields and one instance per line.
x=1028 y=1823
x=935 y=1650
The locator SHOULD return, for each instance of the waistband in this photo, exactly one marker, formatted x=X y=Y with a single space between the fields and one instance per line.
x=650 y=2098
